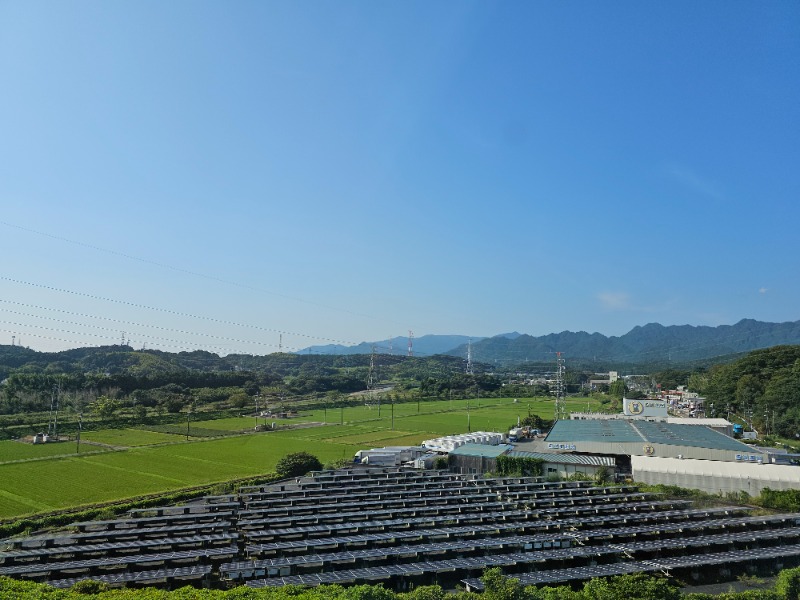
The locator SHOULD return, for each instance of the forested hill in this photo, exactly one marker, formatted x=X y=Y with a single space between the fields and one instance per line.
x=650 y=344
x=154 y=364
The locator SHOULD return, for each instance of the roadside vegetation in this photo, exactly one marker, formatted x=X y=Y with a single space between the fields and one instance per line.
x=497 y=587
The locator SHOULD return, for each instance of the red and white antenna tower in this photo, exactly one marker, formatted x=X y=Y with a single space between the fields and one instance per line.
x=410 y=343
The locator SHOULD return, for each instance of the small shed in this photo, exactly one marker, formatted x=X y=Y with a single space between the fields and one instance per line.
x=476 y=458
x=566 y=465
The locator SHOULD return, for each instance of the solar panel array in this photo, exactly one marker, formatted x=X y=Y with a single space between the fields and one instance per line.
x=404 y=527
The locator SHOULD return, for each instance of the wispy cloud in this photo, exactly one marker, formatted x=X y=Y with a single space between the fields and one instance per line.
x=621 y=301
x=694 y=182
x=763 y=290
x=615 y=300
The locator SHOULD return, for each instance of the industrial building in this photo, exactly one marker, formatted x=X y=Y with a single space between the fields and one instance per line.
x=478 y=459
x=675 y=453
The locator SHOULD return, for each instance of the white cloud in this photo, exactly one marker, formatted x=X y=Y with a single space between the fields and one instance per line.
x=762 y=290
x=614 y=300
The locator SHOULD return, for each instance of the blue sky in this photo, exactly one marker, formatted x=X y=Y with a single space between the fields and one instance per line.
x=233 y=176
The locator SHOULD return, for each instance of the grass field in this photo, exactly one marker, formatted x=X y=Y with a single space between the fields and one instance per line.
x=11 y=450
x=150 y=466
x=129 y=437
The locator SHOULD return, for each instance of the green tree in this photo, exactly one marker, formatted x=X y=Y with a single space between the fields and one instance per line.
x=105 y=407
x=240 y=399
x=499 y=587
x=748 y=391
x=602 y=475
x=788 y=584
x=617 y=389
x=296 y=464
x=631 y=587
x=139 y=412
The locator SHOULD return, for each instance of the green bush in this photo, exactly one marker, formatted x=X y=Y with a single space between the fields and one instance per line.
x=296 y=464
x=788 y=583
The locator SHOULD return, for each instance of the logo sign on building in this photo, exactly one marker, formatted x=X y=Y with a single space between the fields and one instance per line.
x=559 y=446
x=749 y=458
x=644 y=408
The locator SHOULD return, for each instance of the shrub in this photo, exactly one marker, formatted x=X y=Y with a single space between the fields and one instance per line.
x=296 y=464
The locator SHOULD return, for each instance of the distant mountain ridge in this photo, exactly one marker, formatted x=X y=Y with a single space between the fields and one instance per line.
x=644 y=344
x=424 y=345
x=650 y=343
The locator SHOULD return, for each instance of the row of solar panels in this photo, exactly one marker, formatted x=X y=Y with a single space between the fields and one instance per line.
x=181 y=574
x=135 y=522
x=527 y=560
x=535 y=545
x=582 y=573
x=27 y=556
x=334 y=501
x=108 y=535
x=381 y=486
x=454 y=505
x=122 y=561
x=551 y=514
x=685 y=522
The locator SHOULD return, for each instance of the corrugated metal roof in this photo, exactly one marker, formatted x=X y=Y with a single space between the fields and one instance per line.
x=689 y=435
x=614 y=431
x=710 y=422
x=567 y=459
x=482 y=450
x=593 y=430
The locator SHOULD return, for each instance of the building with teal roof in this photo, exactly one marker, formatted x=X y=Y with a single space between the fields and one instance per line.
x=612 y=437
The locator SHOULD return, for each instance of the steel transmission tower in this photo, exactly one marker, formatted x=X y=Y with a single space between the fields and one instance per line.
x=469 y=371
x=371 y=380
x=52 y=425
x=410 y=343
x=560 y=389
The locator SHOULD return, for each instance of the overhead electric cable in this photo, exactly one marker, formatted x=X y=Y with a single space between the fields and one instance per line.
x=167 y=311
x=105 y=337
x=141 y=335
x=190 y=272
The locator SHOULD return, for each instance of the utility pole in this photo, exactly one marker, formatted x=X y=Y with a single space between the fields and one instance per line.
x=80 y=426
x=188 y=419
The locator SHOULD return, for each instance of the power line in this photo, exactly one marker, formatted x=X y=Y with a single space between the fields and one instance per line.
x=143 y=335
x=187 y=271
x=183 y=331
x=167 y=311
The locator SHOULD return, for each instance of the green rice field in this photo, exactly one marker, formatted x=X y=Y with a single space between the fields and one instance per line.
x=128 y=437
x=61 y=479
x=13 y=450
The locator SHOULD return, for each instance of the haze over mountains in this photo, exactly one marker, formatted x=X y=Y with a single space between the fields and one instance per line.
x=642 y=344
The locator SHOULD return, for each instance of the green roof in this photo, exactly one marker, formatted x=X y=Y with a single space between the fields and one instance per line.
x=593 y=430
x=696 y=436
x=640 y=431
x=482 y=450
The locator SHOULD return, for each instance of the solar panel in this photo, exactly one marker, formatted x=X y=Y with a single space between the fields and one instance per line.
x=193 y=572
x=112 y=547
x=49 y=567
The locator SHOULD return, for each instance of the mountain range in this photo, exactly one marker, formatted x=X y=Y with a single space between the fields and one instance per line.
x=648 y=344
